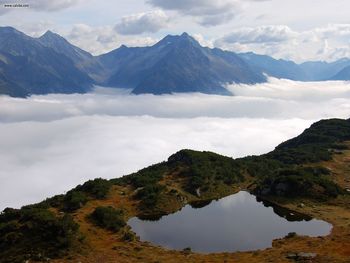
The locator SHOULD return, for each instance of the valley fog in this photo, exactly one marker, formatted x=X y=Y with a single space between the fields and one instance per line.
x=51 y=143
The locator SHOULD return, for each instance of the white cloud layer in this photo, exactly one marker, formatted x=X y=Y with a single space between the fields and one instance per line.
x=276 y=99
x=49 y=144
x=40 y=159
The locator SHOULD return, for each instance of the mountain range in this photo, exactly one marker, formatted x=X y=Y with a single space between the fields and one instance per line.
x=50 y=64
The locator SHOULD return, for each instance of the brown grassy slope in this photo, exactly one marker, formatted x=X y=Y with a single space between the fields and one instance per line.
x=103 y=246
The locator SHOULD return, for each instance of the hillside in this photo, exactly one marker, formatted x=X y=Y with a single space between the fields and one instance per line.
x=276 y=68
x=28 y=67
x=344 y=74
x=321 y=70
x=87 y=224
x=82 y=59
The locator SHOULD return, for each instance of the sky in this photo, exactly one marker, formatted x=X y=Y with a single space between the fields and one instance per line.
x=298 y=30
x=51 y=143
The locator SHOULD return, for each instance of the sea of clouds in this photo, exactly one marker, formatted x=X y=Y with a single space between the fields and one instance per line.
x=51 y=143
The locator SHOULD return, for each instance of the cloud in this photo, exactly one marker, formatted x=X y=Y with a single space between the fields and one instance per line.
x=49 y=144
x=35 y=29
x=280 y=41
x=276 y=99
x=296 y=91
x=53 y=157
x=101 y=39
x=334 y=30
x=204 y=42
x=208 y=12
x=149 y=22
x=262 y=34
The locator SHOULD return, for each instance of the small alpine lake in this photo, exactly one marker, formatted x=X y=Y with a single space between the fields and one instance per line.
x=239 y=222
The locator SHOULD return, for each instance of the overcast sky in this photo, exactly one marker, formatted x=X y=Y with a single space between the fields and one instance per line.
x=293 y=29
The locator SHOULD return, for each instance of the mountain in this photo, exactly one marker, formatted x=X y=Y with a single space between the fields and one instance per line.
x=344 y=74
x=177 y=64
x=275 y=68
x=321 y=70
x=28 y=67
x=50 y=64
x=307 y=175
x=83 y=60
x=307 y=71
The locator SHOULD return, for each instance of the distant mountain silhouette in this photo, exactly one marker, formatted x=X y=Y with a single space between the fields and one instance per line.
x=177 y=64
x=83 y=60
x=28 y=67
x=275 y=68
x=321 y=70
x=344 y=74
x=50 y=64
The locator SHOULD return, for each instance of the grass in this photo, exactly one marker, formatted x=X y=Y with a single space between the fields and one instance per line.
x=295 y=170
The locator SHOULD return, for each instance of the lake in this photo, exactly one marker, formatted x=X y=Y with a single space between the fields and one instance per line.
x=238 y=222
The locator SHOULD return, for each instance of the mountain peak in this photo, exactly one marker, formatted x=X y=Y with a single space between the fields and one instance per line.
x=183 y=39
x=9 y=30
x=61 y=45
x=51 y=35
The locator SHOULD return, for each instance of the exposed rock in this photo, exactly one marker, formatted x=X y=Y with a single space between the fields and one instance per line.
x=182 y=199
x=301 y=256
x=292 y=255
x=198 y=192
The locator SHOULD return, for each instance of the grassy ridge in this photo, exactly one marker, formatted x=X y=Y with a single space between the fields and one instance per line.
x=291 y=170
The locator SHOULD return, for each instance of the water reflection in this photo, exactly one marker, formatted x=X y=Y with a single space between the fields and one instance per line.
x=236 y=223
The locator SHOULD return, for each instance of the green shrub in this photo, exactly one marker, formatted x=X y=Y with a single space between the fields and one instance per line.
x=108 y=217
x=29 y=232
x=148 y=176
x=205 y=168
x=300 y=181
x=74 y=200
x=97 y=188
x=149 y=195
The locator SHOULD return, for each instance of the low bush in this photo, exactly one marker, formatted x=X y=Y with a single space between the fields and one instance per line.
x=74 y=200
x=301 y=181
x=97 y=188
x=149 y=195
x=35 y=233
x=108 y=217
